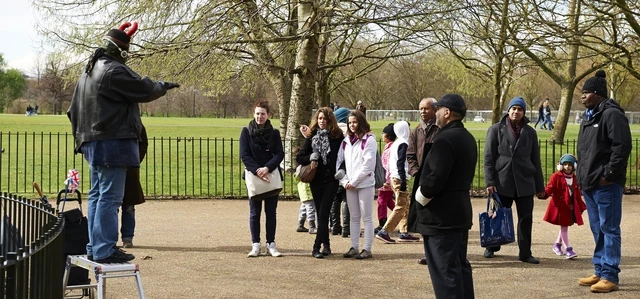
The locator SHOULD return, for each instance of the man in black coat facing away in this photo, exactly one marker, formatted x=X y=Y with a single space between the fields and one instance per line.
x=444 y=206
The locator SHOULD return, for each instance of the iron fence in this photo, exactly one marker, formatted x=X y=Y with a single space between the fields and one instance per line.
x=186 y=167
x=31 y=249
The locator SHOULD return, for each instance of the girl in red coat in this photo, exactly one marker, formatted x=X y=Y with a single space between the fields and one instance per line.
x=566 y=205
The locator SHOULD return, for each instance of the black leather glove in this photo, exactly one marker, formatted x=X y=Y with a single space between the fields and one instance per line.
x=170 y=85
x=403 y=186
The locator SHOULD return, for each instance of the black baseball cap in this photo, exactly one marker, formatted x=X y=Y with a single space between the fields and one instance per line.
x=454 y=102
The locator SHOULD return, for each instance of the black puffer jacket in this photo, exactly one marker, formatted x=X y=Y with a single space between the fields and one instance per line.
x=105 y=102
x=604 y=145
x=513 y=165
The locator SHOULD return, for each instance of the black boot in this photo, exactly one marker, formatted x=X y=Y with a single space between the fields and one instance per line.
x=382 y=223
x=346 y=220
x=334 y=218
x=301 y=228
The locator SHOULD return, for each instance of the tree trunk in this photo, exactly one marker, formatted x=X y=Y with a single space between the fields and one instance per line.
x=564 y=111
x=499 y=94
x=303 y=85
x=567 y=87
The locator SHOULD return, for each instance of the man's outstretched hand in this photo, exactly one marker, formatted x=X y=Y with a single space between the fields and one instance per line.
x=170 y=85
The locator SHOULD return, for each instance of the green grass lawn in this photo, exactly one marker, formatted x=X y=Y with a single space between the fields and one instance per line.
x=188 y=157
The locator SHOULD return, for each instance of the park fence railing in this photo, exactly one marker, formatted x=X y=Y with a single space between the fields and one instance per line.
x=185 y=167
x=31 y=249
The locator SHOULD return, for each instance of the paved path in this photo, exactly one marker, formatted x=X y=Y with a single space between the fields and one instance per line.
x=198 y=249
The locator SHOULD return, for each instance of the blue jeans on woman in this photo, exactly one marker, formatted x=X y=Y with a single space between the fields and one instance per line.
x=255 y=211
x=604 y=207
x=103 y=202
x=128 y=225
x=547 y=120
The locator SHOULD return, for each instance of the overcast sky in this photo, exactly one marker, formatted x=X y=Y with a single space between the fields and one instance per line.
x=19 y=42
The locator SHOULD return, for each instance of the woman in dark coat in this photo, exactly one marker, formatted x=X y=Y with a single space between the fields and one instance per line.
x=261 y=152
x=540 y=116
x=321 y=146
x=132 y=194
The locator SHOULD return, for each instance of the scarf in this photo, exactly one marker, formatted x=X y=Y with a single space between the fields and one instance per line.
x=261 y=135
x=320 y=144
x=515 y=128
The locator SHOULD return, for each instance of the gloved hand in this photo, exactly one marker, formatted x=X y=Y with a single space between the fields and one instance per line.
x=170 y=85
x=339 y=174
x=403 y=186
x=314 y=157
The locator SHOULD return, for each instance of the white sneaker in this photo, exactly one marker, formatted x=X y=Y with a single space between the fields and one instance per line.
x=255 y=250
x=272 y=250
x=313 y=230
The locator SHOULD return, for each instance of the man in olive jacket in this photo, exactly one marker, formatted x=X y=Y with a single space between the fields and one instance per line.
x=604 y=145
x=512 y=169
x=443 y=203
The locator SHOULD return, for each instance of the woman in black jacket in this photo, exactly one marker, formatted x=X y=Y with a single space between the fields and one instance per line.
x=261 y=152
x=540 y=117
x=323 y=139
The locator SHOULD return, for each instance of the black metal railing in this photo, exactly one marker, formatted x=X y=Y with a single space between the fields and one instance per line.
x=185 y=167
x=31 y=249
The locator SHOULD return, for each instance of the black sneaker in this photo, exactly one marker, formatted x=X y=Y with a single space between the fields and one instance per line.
x=488 y=253
x=351 y=253
x=364 y=254
x=118 y=256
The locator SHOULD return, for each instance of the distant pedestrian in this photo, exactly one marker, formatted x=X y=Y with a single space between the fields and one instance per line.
x=547 y=115
x=362 y=108
x=540 y=117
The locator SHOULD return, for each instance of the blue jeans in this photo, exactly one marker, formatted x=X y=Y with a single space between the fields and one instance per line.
x=604 y=207
x=128 y=219
x=255 y=209
x=547 y=120
x=105 y=197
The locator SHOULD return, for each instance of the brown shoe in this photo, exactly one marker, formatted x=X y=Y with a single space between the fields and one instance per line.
x=604 y=286
x=589 y=281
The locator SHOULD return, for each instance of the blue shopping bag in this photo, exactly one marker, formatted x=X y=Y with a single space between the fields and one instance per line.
x=496 y=230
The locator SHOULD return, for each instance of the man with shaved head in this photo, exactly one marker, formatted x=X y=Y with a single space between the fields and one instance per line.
x=420 y=142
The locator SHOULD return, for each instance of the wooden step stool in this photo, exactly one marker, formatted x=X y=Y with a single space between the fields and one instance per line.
x=102 y=272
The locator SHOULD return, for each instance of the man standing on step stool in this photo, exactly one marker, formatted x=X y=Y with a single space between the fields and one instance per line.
x=106 y=124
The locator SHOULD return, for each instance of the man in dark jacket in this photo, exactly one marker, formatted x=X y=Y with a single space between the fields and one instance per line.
x=105 y=119
x=420 y=142
x=604 y=145
x=444 y=206
x=512 y=169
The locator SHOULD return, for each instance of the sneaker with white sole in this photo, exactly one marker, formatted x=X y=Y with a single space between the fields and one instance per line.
x=272 y=250
x=255 y=250
x=557 y=249
x=407 y=237
x=570 y=253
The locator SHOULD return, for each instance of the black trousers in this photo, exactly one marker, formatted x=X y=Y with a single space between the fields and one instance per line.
x=323 y=195
x=448 y=266
x=524 y=205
